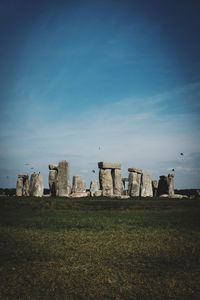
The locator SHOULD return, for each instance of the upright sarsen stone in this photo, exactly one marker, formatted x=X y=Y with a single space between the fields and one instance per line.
x=155 y=187
x=166 y=185
x=78 y=185
x=170 y=179
x=53 y=174
x=63 y=179
x=36 y=185
x=146 y=186
x=106 y=182
x=117 y=182
x=134 y=181
x=22 y=186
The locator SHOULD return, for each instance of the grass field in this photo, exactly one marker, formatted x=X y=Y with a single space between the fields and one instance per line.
x=99 y=248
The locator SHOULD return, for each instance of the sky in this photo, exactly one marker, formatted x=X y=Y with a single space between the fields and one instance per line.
x=89 y=81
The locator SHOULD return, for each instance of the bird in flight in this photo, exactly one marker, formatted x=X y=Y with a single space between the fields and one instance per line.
x=93 y=171
x=181 y=154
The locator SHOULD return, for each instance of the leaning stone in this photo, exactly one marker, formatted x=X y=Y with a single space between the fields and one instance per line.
x=78 y=185
x=164 y=196
x=146 y=186
x=94 y=187
x=139 y=171
x=117 y=182
x=107 y=165
x=63 y=180
x=134 y=181
x=36 y=185
x=106 y=182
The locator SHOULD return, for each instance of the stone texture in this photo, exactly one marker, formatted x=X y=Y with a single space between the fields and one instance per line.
x=19 y=187
x=107 y=165
x=63 y=180
x=154 y=187
x=166 y=185
x=117 y=182
x=94 y=187
x=53 y=167
x=106 y=182
x=170 y=179
x=22 y=186
x=98 y=193
x=162 y=186
x=36 y=185
x=139 y=171
x=53 y=174
x=78 y=185
x=80 y=195
x=134 y=181
x=146 y=186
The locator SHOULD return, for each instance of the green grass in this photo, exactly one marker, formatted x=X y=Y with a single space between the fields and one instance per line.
x=55 y=248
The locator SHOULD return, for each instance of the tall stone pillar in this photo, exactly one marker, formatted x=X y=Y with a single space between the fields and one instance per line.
x=155 y=187
x=22 y=186
x=170 y=179
x=53 y=174
x=78 y=185
x=146 y=186
x=134 y=182
x=106 y=182
x=63 y=179
x=117 y=181
x=36 y=185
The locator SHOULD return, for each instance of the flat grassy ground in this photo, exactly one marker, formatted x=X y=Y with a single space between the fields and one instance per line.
x=99 y=248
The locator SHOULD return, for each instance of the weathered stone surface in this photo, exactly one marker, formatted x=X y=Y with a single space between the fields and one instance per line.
x=36 y=185
x=22 y=186
x=162 y=186
x=134 y=181
x=146 y=186
x=78 y=185
x=53 y=182
x=154 y=187
x=98 y=193
x=139 y=171
x=63 y=180
x=94 y=187
x=53 y=167
x=19 y=187
x=107 y=165
x=79 y=195
x=166 y=185
x=117 y=182
x=106 y=182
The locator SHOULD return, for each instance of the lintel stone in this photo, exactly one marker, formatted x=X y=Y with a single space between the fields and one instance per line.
x=139 y=171
x=107 y=165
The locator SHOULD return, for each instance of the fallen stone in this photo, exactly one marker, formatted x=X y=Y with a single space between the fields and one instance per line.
x=98 y=193
x=80 y=195
x=107 y=165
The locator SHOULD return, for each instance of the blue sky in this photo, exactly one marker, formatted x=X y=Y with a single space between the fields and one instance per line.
x=122 y=75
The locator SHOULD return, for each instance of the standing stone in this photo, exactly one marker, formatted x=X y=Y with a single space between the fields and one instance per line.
x=106 y=182
x=134 y=181
x=78 y=185
x=94 y=187
x=162 y=185
x=63 y=180
x=155 y=187
x=170 y=179
x=53 y=174
x=19 y=186
x=117 y=182
x=36 y=185
x=22 y=186
x=146 y=186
